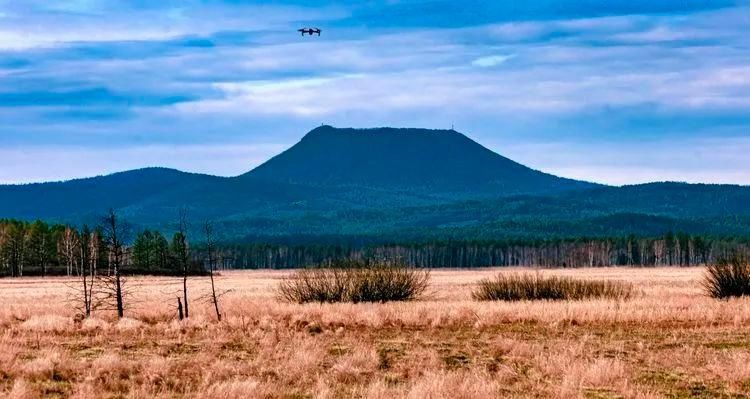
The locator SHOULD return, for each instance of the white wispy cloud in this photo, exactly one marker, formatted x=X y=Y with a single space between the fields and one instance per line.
x=46 y=26
x=491 y=60
x=249 y=73
x=531 y=90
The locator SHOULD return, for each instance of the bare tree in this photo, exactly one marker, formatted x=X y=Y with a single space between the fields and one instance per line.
x=210 y=250
x=89 y=261
x=114 y=233
x=182 y=254
x=84 y=292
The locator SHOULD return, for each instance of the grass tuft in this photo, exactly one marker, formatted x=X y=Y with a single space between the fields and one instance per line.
x=520 y=287
x=355 y=282
x=728 y=278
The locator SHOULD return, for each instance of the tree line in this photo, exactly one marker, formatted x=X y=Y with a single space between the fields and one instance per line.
x=38 y=248
x=42 y=249
x=100 y=258
x=670 y=249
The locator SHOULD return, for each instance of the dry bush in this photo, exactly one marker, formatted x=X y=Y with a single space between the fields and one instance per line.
x=384 y=283
x=355 y=282
x=520 y=287
x=316 y=285
x=728 y=278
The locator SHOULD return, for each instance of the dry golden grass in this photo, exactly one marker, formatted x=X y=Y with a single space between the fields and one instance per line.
x=668 y=340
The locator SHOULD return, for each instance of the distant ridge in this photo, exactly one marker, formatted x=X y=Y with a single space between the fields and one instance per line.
x=67 y=198
x=388 y=182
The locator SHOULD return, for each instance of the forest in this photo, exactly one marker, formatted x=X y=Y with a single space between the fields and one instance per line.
x=670 y=249
x=42 y=249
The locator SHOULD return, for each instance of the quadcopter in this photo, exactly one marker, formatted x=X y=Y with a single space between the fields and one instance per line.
x=309 y=31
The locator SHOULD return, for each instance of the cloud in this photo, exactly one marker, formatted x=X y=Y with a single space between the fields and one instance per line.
x=97 y=74
x=528 y=90
x=491 y=61
x=87 y=97
x=31 y=25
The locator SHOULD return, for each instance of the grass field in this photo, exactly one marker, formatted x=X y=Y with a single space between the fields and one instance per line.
x=668 y=340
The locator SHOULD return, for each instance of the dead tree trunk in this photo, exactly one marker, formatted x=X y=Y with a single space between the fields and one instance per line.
x=115 y=232
x=208 y=229
x=183 y=256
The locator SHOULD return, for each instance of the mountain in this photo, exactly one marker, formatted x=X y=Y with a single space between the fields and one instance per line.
x=329 y=169
x=413 y=160
x=394 y=183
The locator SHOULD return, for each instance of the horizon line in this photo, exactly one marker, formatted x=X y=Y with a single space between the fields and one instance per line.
x=328 y=126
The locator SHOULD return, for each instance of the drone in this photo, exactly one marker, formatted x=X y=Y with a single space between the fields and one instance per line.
x=309 y=31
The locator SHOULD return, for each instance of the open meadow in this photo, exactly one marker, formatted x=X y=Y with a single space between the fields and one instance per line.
x=668 y=340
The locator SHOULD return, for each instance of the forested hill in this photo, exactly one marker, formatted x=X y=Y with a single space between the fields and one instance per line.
x=73 y=198
x=399 y=184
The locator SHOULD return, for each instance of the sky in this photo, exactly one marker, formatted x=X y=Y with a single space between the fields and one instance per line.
x=617 y=92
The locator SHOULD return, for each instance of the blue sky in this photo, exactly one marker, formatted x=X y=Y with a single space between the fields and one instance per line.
x=611 y=91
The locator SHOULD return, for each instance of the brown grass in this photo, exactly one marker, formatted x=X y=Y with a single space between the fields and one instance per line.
x=668 y=340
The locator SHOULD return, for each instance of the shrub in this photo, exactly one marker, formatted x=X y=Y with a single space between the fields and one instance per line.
x=518 y=287
x=353 y=281
x=315 y=285
x=728 y=278
x=387 y=283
